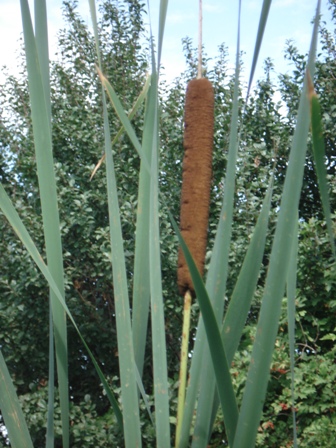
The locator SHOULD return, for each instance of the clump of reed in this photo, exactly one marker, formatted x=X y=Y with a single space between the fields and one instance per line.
x=218 y=334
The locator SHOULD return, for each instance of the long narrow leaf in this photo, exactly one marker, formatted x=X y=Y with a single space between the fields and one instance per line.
x=50 y=442
x=143 y=394
x=137 y=104
x=161 y=395
x=319 y=157
x=258 y=375
x=244 y=289
x=129 y=391
x=37 y=67
x=42 y=46
x=11 y=410
x=162 y=22
x=141 y=284
x=242 y=295
x=261 y=29
x=218 y=357
x=123 y=118
x=291 y=292
x=41 y=35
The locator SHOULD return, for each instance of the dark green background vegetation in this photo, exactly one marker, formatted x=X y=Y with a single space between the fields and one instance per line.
x=266 y=132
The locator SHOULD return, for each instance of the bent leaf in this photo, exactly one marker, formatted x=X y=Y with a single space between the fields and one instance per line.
x=220 y=364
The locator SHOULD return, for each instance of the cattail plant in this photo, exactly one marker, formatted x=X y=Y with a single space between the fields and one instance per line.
x=195 y=198
x=218 y=330
x=197 y=169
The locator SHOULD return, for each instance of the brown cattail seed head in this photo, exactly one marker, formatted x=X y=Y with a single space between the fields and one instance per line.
x=196 y=177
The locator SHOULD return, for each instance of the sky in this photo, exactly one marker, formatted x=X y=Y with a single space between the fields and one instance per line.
x=288 y=19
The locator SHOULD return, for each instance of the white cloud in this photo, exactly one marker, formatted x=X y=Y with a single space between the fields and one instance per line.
x=297 y=4
x=253 y=4
x=211 y=7
x=10 y=25
x=180 y=18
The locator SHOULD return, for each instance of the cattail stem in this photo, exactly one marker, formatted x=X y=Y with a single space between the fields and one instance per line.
x=183 y=365
x=200 y=22
x=195 y=200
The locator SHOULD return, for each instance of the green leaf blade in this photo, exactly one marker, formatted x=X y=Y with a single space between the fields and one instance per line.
x=161 y=387
x=127 y=366
x=141 y=286
x=39 y=89
x=11 y=410
x=258 y=374
x=219 y=360
x=319 y=157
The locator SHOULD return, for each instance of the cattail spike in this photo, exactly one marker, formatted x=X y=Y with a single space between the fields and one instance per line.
x=196 y=181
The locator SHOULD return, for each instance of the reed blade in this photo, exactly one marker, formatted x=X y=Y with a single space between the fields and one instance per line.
x=127 y=367
x=137 y=104
x=319 y=157
x=291 y=294
x=261 y=29
x=141 y=285
x=240 y=302
x=11 y=411
x=123 y=118
x=218 y=357
x=39 y=90
x=159 y=349
x=258 y=374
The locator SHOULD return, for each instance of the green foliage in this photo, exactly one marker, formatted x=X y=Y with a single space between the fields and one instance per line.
x=77 y=131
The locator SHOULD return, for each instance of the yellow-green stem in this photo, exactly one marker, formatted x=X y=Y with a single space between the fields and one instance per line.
x=183 y=365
